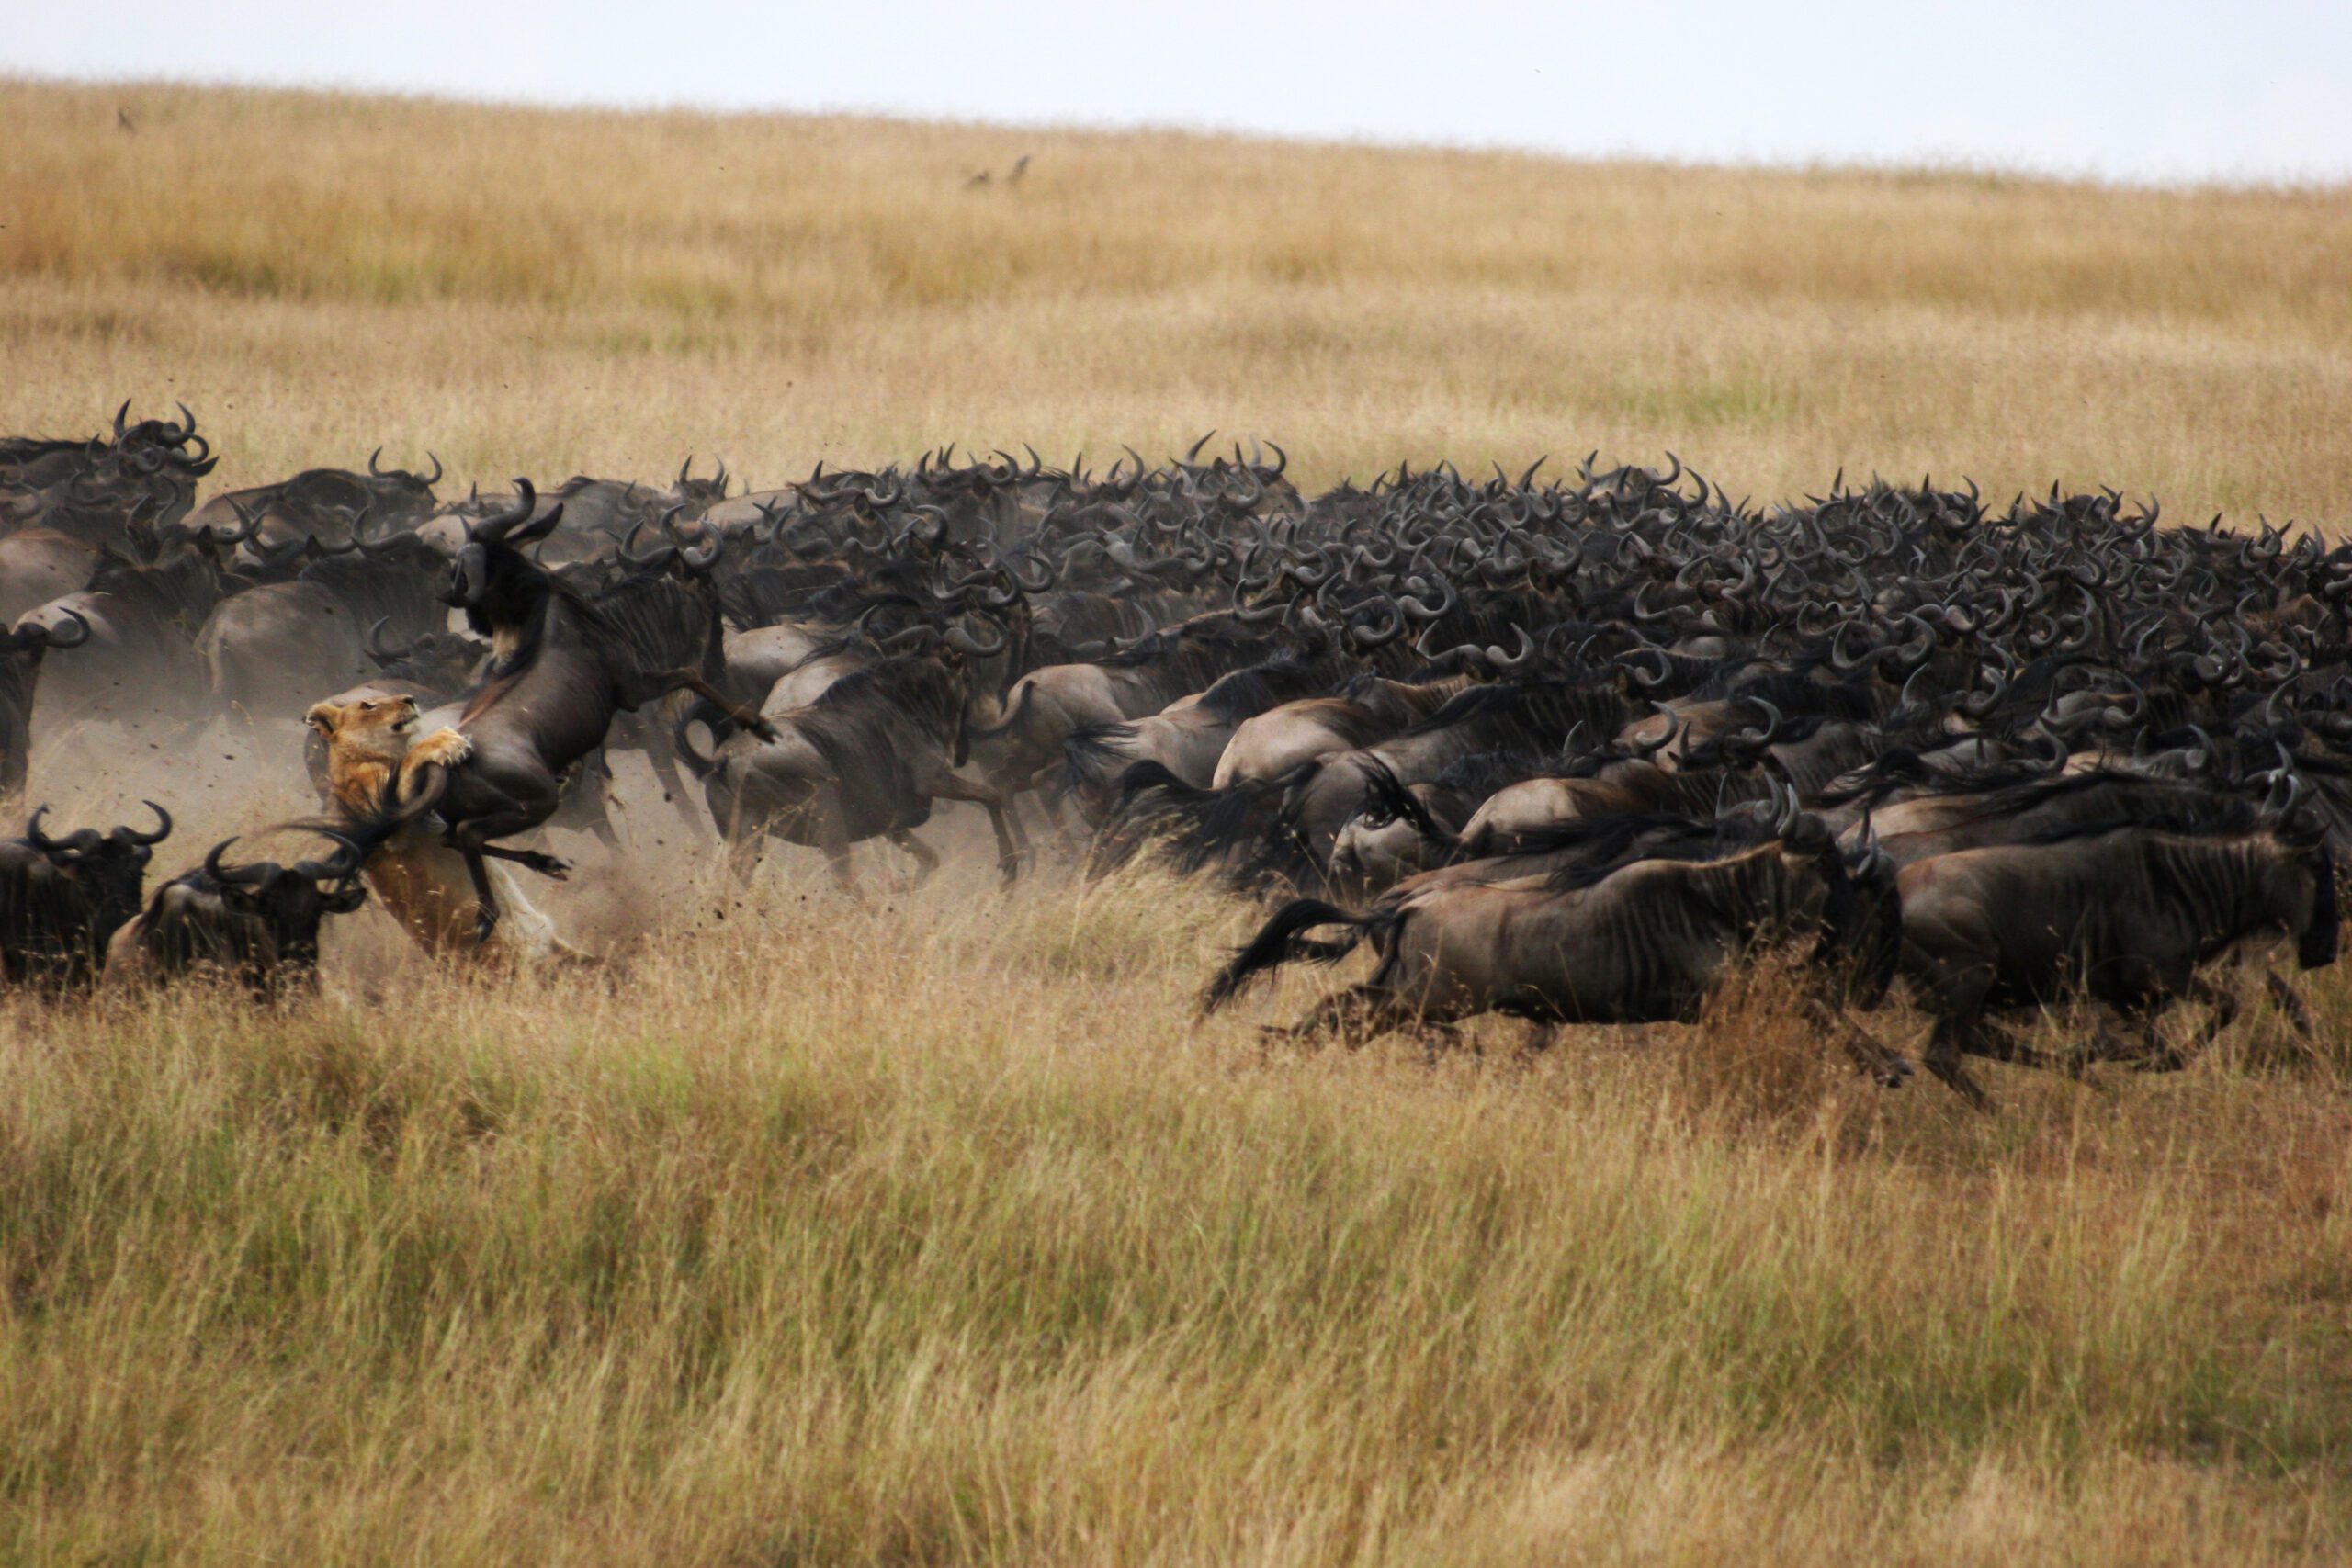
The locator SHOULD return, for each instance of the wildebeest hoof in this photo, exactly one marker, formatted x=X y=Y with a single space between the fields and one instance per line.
x=546 y=865
x=486 y=922
x=766 y=732
x=1894 y=1072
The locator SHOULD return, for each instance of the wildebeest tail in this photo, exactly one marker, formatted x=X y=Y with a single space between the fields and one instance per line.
x=384 y=818
x=1010 y=720
x=1279 y=941
x=1091 y=753
x=1153 y=806
x=1391 y=798
x=704 y=712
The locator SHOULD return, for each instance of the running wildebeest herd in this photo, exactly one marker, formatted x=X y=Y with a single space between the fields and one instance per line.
x=1573 y=750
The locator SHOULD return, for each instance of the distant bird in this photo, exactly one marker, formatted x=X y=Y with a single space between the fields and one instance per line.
x=124 y=123
x=1012 y=177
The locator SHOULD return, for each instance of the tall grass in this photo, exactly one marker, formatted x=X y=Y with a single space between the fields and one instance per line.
x=936 y=1228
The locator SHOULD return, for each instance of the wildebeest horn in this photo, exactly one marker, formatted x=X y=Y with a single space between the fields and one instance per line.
x=701 y=559
x=1645 y=750
x=2286 y=791
x=909 y=638
x=1977 y=706
x=1524 y=656
x=1649 y=682
x=252 y=875
x=374 y=644
x=121 y=416
x=660 y=556
x=1046 y=574
x=163 y=828
x=492 y=529
x=436 y=476
x=341 y=867
x=373 y=471
x=249 y=524
x=1419 y=610
x=80 y=843
x=1189 y=455
x=49 y=634
x=1388 y=630
x=965 y=643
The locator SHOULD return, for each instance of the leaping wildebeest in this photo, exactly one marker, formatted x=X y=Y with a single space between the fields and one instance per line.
x=558 y=673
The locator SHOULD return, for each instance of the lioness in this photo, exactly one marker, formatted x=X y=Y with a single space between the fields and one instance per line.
x=376 y=765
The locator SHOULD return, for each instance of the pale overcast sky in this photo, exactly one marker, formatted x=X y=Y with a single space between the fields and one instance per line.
x=2124 y=89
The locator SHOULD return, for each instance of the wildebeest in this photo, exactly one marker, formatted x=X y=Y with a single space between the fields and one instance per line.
x=22 y=651
x=62 y=899
x=2123 y=914
x=1642 y=936
x=558 y=673
x=865 y=760
x=270 y=650
x=328 y=506
x=255 y=926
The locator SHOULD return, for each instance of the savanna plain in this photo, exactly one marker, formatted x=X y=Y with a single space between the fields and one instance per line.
x=934 y=1227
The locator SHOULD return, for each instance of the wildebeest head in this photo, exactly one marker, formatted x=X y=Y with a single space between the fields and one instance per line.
x=259 y=920
x=2303 y=832
x=440 y=661
x=413 y=488
x=1861 y=917
x=109 y=867
x=951 y=647
x=489 y=566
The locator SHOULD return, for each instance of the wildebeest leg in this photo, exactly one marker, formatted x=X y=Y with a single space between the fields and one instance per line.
x=1952 y=1039
x=530 y=860
x=832 y=835
x=485 y=896
x=1870 y=1057
x=649 y=687
x=1434 y=1032
x=743 y=850
x=2224 y=1004
x=583 y=800
x=2283 y=997
x=471 y=839
x=948 y=784
x=1350 y=1017
x=661 y=751
x=926 y=858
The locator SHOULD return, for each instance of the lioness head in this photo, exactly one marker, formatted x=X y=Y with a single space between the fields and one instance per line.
x=379 y=726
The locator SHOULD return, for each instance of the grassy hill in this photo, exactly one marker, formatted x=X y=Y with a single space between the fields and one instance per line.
x=526 y=290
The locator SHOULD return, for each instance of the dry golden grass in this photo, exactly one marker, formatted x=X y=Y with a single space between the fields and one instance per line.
x=937 y=1229
x=534 y=292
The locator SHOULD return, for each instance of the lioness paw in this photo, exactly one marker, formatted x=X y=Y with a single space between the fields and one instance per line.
x=443 y=746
